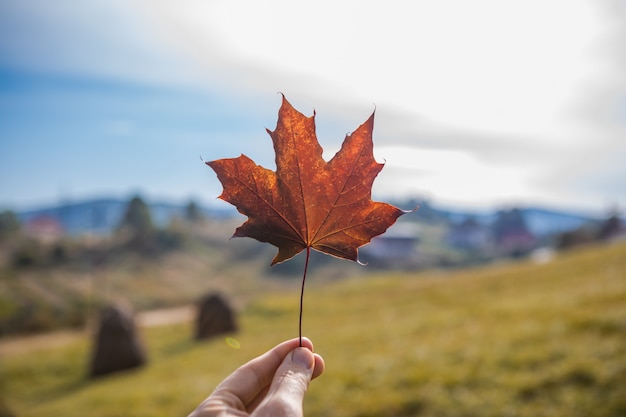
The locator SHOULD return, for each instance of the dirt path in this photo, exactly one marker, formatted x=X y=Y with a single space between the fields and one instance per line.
x=13 y=345
x=165 y=316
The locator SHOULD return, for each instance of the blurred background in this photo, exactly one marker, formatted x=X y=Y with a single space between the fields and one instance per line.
x=504 y=121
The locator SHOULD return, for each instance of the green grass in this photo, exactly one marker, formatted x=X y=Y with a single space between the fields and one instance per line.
x=515 y=339
x=46 y=297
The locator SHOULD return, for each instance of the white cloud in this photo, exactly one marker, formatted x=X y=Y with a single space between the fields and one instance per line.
x=495 y=101
x=527 y=89
x=427 y=172
x=482 y=65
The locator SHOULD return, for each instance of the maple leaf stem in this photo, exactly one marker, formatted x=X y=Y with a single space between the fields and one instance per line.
x=306 y=266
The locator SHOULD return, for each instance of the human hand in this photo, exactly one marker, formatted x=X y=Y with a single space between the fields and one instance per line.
x=272 y=384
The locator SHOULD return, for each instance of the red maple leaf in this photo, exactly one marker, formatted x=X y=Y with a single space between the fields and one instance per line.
x=308 y=202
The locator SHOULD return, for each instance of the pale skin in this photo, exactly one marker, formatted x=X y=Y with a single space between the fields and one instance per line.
x=271 y=385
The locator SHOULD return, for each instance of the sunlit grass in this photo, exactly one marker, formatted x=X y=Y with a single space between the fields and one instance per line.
x=507 y=340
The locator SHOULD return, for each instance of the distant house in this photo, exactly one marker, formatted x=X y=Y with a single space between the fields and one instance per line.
x=45 y=228
x=398 y=243
x=512 y=236
x=516 y=242
x=470 y=235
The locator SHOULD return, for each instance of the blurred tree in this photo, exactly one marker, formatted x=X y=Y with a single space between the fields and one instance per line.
x=193 y=213
x=137 y=223
x=29 y=252
x=9 y=224
x=577 y=237
x=611 y=227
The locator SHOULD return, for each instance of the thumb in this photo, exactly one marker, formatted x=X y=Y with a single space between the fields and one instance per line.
x=289 y=385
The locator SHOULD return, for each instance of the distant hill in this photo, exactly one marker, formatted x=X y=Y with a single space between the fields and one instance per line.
x=102 y=215
x=543 y=222
x=540 y=221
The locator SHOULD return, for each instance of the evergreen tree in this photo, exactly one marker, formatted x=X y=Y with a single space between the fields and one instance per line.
x=193 y=213
x=137 y=222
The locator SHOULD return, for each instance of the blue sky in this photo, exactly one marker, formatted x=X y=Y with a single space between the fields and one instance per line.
x=478 y=104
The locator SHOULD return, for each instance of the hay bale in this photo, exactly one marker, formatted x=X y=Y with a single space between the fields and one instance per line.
x=214 y=316
x=117 y=344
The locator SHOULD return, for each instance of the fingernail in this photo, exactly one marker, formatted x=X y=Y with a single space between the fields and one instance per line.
x=304 y=357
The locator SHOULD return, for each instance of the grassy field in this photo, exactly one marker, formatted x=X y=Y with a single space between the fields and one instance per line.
x=48 y=296
x=516 y=339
